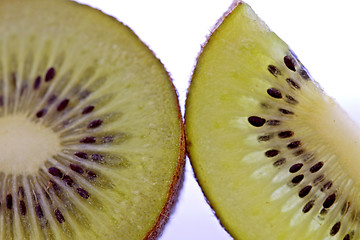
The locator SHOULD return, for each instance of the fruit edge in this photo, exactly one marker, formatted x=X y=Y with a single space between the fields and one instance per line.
x=235 y=4
x=178 y=177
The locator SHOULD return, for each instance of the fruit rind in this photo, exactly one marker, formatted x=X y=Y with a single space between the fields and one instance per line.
x=175 y=187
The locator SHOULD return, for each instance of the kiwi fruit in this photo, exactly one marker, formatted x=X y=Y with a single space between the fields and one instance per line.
x=274 y=155
x=91 y=135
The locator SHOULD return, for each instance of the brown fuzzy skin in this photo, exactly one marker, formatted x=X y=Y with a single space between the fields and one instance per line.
x=175 y=186
x=235 y=4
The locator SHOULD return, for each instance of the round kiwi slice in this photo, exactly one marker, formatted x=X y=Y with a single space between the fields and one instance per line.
x=274 y=155
x=91 y=136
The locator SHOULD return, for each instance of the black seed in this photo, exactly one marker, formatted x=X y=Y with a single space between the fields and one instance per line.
x=35 y=198
x=84 y=94
x=97 y=157
x=256 y=121
x=294 y=144
x=13 y=78
x=316 y=167
x=59 y=216
x=323 y=211
x=95 y=123
x=23 y=89
x=83 y=193
x=9 y=201
x=308 y=157
x=279 y=162
x=88 y=109
x=37 y=83
x=273 y=122
x=347 y=237
x=41 y=113
x=275 y=93
x=107 y=139
x=308 y=206
x=271 y=153
x=91 y=175
x=296 y=167
x=297 y=179
x=329 y=201
x=50 y=74
x=298 y=153
x=88 y=140
x=303 y=73
x=47 y=195
x=52 y=98
x=68 y=180
x=39 y=211
x=265 y=105
x=305 y=191
x=284 y=111
x=319 y=179
x=274 y=70
x=290 y=63
x=326 y=186
x=22 y=207
x=264 y=138
x=1 y=101
x=55 y=172
x=62 y=105
x=292 y=83
x=291 y=100
x=286 y=134
x=345 y=208
x=76 y=168
x=54 y=185
x=81 y=155
x=21 y=192
x=335 y=229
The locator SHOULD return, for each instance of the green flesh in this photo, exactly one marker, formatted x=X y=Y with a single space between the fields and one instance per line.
x=122 y=185
x=273 y=154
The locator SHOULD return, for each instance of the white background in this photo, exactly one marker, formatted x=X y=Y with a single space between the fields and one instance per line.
x=323 y=33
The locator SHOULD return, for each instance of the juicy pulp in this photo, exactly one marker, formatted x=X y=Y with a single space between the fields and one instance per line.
x=272 y=153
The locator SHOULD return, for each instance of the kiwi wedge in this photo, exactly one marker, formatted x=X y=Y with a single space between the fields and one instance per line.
x=275 y=156
x=91 y=135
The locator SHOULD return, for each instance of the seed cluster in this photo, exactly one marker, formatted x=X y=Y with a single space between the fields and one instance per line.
x=302 y=164
x=68 y=175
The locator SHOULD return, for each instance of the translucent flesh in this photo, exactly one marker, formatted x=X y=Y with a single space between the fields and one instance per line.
x=98 y=62
x=253 y=194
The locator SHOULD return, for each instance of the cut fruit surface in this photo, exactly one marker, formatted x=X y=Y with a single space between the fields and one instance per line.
x=275 y=156
x=91 y=135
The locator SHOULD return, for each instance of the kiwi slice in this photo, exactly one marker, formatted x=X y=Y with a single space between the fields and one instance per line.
x=91 y=136
x=275 y=156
